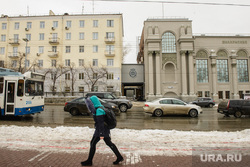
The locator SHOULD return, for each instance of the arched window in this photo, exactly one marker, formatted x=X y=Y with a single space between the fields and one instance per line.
x=168 y=43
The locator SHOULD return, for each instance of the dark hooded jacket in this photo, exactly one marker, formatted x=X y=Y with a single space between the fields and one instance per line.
x=100 y=129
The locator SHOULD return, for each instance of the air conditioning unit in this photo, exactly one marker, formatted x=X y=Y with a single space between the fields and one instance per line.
x=66 y=28
x=26 y=29
x=52 y=28
x=38 y=54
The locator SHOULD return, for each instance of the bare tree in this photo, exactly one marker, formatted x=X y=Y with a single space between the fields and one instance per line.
x=72 y=71
x=56 y=72
x=93 y=75
x=126 y=50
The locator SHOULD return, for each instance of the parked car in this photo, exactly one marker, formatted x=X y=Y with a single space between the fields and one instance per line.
x=169 y=106
x=78 y=106
x=123 y=104
x=204 y=102
x=234 y=107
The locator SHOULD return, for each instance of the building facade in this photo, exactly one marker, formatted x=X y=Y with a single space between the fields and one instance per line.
x=76 y=42
x=183 y=65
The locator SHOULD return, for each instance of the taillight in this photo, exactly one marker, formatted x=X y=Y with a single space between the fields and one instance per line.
x=146 y=105
x=66 y=103
x=228 y=104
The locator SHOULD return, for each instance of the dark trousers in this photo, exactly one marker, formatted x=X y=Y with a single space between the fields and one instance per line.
x=108 y=142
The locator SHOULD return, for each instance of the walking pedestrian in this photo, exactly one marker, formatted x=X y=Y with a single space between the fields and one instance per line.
x=101 y=131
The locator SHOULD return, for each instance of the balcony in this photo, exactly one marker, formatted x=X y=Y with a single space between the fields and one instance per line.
x=109 y=40
x=54 y=41
x=53 y=54
x=13 y=55
x=109 y=53
x=14 y=41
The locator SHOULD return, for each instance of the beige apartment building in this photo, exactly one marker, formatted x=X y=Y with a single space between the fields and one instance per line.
x=181 y=64
x=84 y=40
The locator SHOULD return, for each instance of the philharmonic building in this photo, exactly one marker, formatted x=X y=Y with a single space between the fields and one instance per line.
x=63 y=47
x=180 y=64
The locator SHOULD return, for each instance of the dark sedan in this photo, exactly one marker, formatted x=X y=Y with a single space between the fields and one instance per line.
x=78 y=106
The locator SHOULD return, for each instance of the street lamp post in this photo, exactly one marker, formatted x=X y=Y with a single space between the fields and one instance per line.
x=26 y=40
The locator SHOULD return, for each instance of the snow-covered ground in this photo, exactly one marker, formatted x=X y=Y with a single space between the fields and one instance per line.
x=142 y=142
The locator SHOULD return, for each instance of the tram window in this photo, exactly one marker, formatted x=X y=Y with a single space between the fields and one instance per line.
x=33 y=88
x=20 y=87
x=1 y=85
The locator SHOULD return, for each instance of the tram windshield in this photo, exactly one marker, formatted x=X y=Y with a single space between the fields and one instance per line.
x=33 y=88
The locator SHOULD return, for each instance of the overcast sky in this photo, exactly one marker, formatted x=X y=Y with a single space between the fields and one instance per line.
x=205 y=18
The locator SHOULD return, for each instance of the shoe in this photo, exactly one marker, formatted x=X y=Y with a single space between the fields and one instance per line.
x=86 y=163
x=120 y=159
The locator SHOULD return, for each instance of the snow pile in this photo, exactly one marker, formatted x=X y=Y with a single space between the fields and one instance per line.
x=143 y=142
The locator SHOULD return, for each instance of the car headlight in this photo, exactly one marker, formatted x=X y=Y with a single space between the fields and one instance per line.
x=113 y=106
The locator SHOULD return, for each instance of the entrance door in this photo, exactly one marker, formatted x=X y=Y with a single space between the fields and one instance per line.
x=10 y=98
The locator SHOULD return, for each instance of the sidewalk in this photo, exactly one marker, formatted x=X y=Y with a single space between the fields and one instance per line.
x=27 y=158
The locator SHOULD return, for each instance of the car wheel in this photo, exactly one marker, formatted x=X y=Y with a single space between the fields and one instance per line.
x=237 y=114
x=123 y=107
x=158 y=113
x=210 y=105
x=74 y=112
x=193 y=113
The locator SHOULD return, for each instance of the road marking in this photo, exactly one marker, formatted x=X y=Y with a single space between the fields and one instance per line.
x=32 y=159
x=45 y=156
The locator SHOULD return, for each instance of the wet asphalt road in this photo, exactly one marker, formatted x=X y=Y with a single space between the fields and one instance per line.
x=135 y=118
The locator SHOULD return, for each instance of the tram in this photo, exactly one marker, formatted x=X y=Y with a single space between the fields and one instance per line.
x=21 y=94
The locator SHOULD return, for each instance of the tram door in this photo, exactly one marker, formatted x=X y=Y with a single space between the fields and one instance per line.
x=10 y=98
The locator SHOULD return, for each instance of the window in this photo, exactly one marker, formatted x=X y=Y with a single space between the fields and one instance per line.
x=53 y=63
x=2 y=50
x=33 y=88
x=95 y=35
x=15 y=51
x=16 y=26
x=67 y=49
x=53 y=76
x=81 y=76
x=81 y=35
x=3 y=38
x=1 y=63
x=29 y=25
x=55 y=24
x=110 y=23
x=95 y=23
x=68 y=24
x=14 y=63
x=241 y=94
x=242 y=70
x=68 y=36
x=16 y=38
x=42 y=24
x=41 y=49
x=227 y=94
x=222 y=71
x=81 y=62
x=28 y=36
x=41 y=36
x=95 y=62
x=110 y=62
x=67 y=62
x=54 y=49
x=4 y=26
x=220 y=94
x=95 y=76
x=207 y=93
x=27 y=62
x=95 y=48
x=199 y=93
x=110 y=35
x=67 y=89
x=202 y=71
x=168 y=43
x=110 y=76
x=95 y=88
x=28 y=49
x=40 y=63
x=165 y=102
x=81 y=23
x=81 y=89
x=67 y=76
x=110 y=88
x=178 y=102
x=110 y=49
x=81 y=49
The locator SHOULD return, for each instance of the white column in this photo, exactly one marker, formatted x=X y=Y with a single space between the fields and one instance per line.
x=158 y=74
x=191 y=73
x=150 y=74
x=234 y=75
x=184 y=73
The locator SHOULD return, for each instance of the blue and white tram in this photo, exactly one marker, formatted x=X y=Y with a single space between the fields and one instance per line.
x=21 y=94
